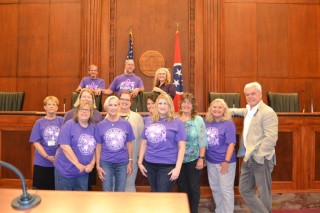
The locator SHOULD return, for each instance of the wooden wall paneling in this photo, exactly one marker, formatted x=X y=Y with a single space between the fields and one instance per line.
x=90 y=34
x=33 y=40
x=272 y=38
x=154 y=26
x=16 y=150
x=240 y=40
x=54 y=88
x=212 y=69
x=65 y=40
x=312 y=165
x=303 y=41
x=8 y=84
x=199 y=61
x=8 y=40
x=34 y=1
x=9 y=1
x=303 y=1
x=286 y=173
x=36 y=89
x=105 y=41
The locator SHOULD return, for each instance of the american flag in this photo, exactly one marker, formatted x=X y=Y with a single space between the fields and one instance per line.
x=177 y=74
x=130 y=50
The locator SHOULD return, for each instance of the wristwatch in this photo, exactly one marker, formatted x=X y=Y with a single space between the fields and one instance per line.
x=200 y=157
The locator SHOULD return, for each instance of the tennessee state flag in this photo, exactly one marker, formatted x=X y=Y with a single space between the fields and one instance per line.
x=177 y=74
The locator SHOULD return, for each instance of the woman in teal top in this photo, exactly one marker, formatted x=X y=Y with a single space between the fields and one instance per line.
x=189 y=178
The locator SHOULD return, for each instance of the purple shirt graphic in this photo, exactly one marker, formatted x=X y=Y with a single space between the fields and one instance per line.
x=83 y=144
x=125 y=83
x=113 y=137
x=97 y=83
x=162 y=140
x=220 y=135
x=46 y=132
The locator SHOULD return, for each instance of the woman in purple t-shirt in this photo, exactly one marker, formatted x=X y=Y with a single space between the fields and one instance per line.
x=163 y=146
x=220 y=154
x=44 y=136
x=75 y=157
x=114 y=148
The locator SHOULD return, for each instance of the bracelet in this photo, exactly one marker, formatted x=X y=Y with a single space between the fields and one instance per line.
x=47 y=156
x=200 y=157
x=227 y=161
x=130 y=158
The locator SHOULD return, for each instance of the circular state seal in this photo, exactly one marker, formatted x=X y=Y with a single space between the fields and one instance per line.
x=150 y=61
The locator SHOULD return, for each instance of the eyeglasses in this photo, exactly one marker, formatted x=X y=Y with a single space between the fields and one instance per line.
x=126 y=100
x=84 y=110
x=187 y=102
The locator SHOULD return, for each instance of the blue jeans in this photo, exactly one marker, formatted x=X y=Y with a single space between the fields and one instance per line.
x=71 y=184
x=158 y=177
x=116 y=176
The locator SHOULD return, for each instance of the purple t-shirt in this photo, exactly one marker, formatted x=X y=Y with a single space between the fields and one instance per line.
x=220 y=135
x=46 y=132
x=97 y=83
x=162 y=140
x=125 y=83
x=83 y=144
x=97 y=117
x=113 y=137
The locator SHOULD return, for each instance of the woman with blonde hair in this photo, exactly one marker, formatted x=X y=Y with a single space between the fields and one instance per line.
x=44 y=137
x=114 y=148
x=220 y=155
x=86 y=95
x=163 y=146
x=162 y=82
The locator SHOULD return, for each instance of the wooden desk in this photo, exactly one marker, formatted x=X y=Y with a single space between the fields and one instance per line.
x=297 y=153
x=82 y=202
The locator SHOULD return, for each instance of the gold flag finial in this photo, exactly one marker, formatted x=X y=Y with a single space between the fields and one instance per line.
x=177 y=26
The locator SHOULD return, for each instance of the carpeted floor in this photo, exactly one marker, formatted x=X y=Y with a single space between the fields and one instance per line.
x=281 y=203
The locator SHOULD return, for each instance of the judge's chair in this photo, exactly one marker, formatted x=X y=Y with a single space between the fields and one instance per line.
x=11 y=101
x=283 y=102
x=75 y=95
x=232 y=99
x=139 y=103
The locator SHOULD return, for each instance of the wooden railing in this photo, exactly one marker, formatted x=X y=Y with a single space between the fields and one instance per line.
x=297 y=152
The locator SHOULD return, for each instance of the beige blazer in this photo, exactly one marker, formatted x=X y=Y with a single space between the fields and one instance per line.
x=262 y=134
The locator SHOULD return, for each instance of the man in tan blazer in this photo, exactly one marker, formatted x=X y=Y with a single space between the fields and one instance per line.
x=260 y=134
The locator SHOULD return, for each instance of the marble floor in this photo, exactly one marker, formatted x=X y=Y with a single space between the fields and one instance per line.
x=281 y=202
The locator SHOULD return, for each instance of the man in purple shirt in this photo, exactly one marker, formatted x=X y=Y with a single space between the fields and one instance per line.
x=92 y=82
x=128 y=81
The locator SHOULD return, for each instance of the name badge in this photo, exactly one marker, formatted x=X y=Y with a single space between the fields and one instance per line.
x=51 y=143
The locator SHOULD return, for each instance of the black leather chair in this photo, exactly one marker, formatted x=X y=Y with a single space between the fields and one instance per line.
x=139 y=103
x=75 y=95
x=283 y=102
x=11 y=101
x=232 y=99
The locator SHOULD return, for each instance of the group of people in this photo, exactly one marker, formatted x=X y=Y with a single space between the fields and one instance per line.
x=168 y=148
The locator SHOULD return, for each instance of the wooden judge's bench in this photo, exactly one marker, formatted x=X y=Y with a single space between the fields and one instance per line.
x=297 y=153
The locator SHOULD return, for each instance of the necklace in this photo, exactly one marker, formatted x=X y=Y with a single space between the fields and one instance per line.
x=125 y=116
x=113 y=120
